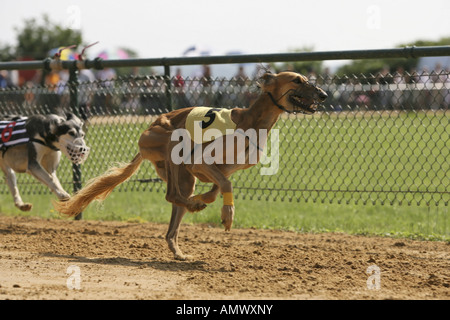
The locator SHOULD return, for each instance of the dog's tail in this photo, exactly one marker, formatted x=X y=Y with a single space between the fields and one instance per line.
x=98 y=188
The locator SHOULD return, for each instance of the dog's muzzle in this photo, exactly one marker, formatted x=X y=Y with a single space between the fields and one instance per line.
x=77 y=150
x=308 y=104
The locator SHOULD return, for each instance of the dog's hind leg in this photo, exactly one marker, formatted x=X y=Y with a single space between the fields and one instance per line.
x=160 y=169
x=174 y=228
x=210 y=196
x=179 y=179
x=11 y=181
x=186 y=188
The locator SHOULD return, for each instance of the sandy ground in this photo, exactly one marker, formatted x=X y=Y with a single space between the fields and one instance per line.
x=66 y=259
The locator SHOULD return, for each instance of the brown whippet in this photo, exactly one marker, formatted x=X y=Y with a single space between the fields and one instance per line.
x=284 y=92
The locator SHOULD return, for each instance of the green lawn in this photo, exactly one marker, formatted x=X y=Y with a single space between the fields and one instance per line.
x=431 y=223
x=371 y=157
x=366 y=173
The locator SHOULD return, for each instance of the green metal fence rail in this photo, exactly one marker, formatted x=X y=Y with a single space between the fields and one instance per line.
x=406 y=52
x=381 y=138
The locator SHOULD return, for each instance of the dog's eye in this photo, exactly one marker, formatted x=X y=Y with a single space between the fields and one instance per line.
x=297 y=81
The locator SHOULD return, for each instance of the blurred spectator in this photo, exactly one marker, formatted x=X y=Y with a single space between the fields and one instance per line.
x=383 y=75
x=206 y=95
x=434 y=76
x=399 y=76
x=178 y=82
x=240 y=77
x=312 y=76
x=103 y=98
x=5 y=80
x=181 y=100
x=439 y=96
x=86 y=79
x=383 y=96
x=206 y=77
x=106 y=76
x=62 y=90
x=326 y=78
x=424 y=77
x=51 y=80
x=445 y=77
x=398 y=95
x=241 y=95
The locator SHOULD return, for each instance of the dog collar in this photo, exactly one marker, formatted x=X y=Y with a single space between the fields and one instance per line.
x=277 y=104
x=44 y=144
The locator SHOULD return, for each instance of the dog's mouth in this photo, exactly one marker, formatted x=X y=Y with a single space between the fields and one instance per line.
x=77 y=151
x=303 y=105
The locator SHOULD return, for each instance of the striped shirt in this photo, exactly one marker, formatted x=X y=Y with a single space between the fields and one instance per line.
x=13 y=133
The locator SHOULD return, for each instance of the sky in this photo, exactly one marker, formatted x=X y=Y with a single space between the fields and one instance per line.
x=166 y=28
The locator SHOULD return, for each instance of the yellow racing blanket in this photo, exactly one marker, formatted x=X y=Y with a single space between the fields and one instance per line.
x=202 y=119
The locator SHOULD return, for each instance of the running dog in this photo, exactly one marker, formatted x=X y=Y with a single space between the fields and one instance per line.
x=34 y=145
x=284 y=92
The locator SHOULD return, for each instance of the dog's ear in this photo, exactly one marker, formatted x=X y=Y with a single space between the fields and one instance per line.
x=69 y=115
x=53 y=122
x=266 y=80
x=74 y=118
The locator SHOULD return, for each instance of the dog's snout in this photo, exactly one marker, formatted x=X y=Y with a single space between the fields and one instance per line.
x=322 y=94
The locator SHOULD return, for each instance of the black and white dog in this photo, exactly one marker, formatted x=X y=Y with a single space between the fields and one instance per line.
x=34 y=145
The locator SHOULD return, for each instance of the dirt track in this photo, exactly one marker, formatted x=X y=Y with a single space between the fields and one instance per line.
x=131 y=261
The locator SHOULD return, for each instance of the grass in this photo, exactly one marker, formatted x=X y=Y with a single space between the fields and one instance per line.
x=359 y=173
x=374 y=158
x=424 y=223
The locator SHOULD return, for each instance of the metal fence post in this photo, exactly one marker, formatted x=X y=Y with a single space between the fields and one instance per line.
x=168 y=86
x=73 y=91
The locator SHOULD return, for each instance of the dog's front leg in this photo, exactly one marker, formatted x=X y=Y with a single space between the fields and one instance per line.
x=50 y=180
x=227 y=215
x=226 y=188
x=208 y=197
x=11 y=181
x=60 y=192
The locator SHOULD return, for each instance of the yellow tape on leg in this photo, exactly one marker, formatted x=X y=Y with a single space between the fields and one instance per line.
x=228 y=199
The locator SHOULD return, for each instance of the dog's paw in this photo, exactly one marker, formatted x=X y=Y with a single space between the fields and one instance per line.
x=195 y=205
x=25 y=207
x=227 y=217
x=63 y=196
x=183 y=257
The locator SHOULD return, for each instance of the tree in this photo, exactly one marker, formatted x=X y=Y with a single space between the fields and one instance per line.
x=7 y=52
x=37 y=37
x=374 y=66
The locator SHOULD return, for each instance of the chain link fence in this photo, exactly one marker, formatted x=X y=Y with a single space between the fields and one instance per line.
x=378 y=139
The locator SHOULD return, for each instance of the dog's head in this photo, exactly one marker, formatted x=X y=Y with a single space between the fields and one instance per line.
x=69 y=137
x=292 y=92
